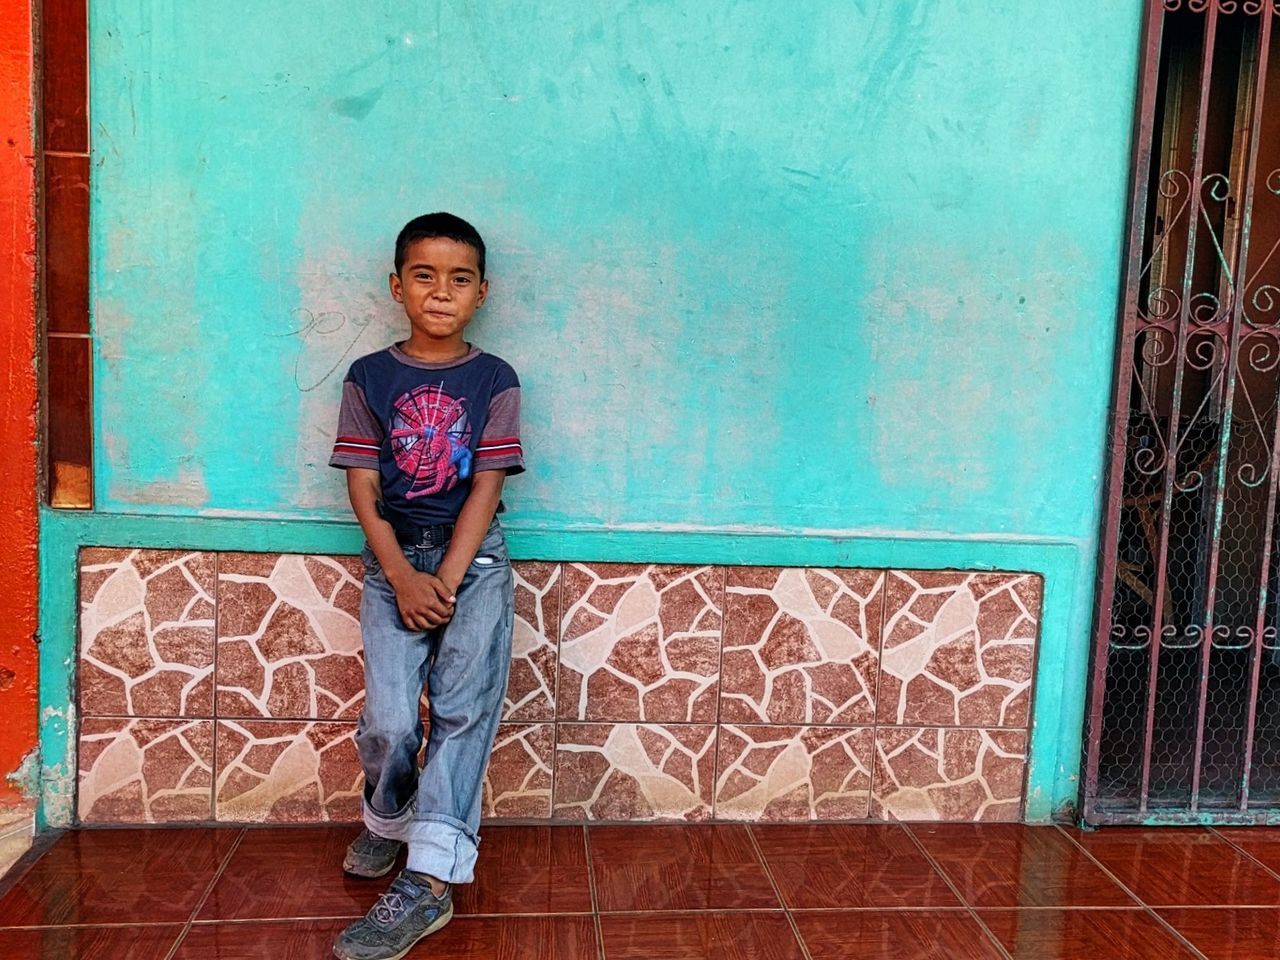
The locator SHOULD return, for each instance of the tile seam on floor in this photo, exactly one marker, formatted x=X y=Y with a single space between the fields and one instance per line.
x=777 y=892
x=304 y=918
x=591 y=881
x=1216 y=906
x=972 y=911
x=517 y=913
x=208 y=891
x=1177 y=934
x=957 y=909
x=128 y=925
x=324 y=918
x=1243 y=851
x=681 y=911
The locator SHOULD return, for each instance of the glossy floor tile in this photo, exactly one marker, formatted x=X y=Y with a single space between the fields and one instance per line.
x=679 y=868
x=512 y=938
x=1180 y=867
x=499 y=938
x=1012 y=865
x=118 y=876
x=89 y=943
x=1262 y=845
x=894 y=935
x=838 y=866
x=277 y=939
x=700 y=936
x=1132 y=934
x=666 y=892
x=279 y=872
x=1229 y=934
x=530 y=869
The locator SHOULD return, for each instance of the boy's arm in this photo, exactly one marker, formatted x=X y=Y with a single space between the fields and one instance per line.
x=471 y=526
x=423 y=601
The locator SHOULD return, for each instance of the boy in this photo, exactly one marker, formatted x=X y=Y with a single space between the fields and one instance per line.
x=428 y=430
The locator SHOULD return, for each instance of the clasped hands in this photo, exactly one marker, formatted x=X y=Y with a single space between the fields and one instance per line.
x=426 y=600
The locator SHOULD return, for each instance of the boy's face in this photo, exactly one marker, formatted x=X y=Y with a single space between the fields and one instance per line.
x=440 y=287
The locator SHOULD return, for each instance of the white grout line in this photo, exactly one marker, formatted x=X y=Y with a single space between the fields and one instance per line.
x=1177 y=935
x=591 y=884
x=973 y=912
x=777 y=892
x=195 y=910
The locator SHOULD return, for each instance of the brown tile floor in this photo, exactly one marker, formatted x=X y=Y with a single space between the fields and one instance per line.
x=721 y=892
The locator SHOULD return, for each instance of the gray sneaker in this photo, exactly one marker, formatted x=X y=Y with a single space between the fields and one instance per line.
x=406 y=913
x=370 y=855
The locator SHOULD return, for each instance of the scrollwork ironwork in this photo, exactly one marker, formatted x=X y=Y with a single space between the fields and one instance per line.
x=1242 y=635
x=1120 y=637
x=1217 y=185
x=1149 y=460
x=1265 y=300
x=1227 y=7
x=1157 y=347
x=1269 y=638
x=1192 y=560
x=1262 y=353
x=1204 y=351
x=1205 y=309
x=1163 y=303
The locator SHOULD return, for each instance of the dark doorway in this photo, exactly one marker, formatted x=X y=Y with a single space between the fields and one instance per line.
x=1185 y=699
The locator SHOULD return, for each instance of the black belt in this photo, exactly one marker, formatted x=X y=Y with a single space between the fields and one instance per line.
x=412 y=534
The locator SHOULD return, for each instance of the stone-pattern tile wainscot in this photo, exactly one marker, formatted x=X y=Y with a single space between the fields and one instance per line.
x=227 y=687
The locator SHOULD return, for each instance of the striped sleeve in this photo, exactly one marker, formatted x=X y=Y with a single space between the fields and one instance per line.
x=499 y=447
x=359 y=432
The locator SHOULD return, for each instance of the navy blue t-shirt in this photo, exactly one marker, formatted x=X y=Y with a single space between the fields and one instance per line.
x=428 y=428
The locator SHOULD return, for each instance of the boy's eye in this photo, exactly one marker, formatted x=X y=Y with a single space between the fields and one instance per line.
x=422 y=276
x=462 y=280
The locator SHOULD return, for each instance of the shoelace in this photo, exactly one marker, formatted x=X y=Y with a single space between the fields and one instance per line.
x=388 y=906
x=396 y=901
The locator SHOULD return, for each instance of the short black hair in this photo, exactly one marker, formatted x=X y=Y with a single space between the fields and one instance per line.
x=429 y=226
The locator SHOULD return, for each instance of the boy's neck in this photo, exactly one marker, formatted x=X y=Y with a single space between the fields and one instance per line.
x=435 y=351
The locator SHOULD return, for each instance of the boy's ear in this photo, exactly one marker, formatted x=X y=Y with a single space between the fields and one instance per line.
x=484 y=293
x=397 y=291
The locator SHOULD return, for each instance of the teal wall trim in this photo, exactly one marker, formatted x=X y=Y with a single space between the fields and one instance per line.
x=1057 y=709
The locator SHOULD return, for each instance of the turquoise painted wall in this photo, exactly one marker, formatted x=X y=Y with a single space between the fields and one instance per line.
x=826 y=282
x=836 y=264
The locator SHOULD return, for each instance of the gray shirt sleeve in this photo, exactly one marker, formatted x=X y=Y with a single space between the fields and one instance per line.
x=500 y=447
x=359 y=432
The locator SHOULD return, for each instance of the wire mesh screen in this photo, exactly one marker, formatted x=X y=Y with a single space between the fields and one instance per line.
x=1185 y=699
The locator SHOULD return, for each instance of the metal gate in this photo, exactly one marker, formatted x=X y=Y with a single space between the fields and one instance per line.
x=1184 y=718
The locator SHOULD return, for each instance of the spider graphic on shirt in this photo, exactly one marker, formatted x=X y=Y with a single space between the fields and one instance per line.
x=431 y=440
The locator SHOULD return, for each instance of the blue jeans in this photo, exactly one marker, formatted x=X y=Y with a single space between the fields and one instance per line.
x=464 y=666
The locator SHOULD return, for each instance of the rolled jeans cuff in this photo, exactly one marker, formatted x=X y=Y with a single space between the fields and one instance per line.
x=393 y=826
x=442 y=847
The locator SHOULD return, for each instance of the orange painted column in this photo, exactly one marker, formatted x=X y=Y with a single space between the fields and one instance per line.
x=18 y=398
